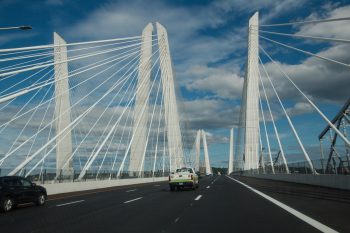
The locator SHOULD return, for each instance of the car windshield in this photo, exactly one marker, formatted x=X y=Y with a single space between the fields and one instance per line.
x=184 y=170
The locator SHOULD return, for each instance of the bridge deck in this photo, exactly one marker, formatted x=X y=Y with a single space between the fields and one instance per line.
x=226 y=206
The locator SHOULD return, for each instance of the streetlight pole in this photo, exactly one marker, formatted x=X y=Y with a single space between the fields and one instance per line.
x=25 y=27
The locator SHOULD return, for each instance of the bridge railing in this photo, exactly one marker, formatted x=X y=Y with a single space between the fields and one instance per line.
x=42 y=176
x=337 y=166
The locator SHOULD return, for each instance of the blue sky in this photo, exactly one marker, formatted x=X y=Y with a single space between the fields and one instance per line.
x=208 y=46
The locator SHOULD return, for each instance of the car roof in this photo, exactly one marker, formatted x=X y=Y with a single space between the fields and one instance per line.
x=2 y=177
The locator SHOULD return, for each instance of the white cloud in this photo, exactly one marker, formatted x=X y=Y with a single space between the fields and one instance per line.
x=211 y=113
x=299 y=109
x=321 y=80
x=339 y=29
x=217 y=81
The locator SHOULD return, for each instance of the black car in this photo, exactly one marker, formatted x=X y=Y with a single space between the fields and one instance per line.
x=16 y=190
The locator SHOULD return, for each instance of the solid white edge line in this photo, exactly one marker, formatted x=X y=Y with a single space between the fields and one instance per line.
x=69 y=203
x=294 y=212
x=125 y=202
x=198 y=197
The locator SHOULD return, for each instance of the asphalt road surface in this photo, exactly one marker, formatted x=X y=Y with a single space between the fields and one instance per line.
x=221 y=204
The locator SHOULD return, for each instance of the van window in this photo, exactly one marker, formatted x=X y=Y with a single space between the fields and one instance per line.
x=184 y=170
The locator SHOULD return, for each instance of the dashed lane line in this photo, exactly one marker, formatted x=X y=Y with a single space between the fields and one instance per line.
x=125 y=202
x=70 y=203
x=132 y=190
x=198 y=197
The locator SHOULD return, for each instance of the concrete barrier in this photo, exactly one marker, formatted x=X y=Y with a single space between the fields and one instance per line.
x=58 y=188
x=331 y=181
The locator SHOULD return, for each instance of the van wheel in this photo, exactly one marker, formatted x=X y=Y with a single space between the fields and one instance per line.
x=6 y=204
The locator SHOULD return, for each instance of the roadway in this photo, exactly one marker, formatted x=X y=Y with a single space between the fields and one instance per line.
x=221 y=204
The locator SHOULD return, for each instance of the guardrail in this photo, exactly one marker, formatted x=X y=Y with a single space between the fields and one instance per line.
x=50 y=175
x=337 y=166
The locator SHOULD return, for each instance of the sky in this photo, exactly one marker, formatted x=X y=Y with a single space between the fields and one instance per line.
x=208 y=44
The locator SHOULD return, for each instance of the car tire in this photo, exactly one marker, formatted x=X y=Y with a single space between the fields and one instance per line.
x=7 y=204
x=41 y=199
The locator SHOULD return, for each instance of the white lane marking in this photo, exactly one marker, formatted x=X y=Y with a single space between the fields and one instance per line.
x=208 y=187
x=213 y=181
x=125 y=202
x=69 y=203
x=157 y=185
x=294 y=212
x=198 y=197
x=132 y=190
x=176 y=220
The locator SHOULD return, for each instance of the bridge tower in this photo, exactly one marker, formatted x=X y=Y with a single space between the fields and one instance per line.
x=171 y=111
x=230 y=161
x=201 y=134
x=206 y=154
x=198 y=150
x=139 y=143
x=62 y=108
x=251 y=95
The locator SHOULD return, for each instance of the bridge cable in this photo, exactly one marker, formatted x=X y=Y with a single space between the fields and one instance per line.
x=50 y=53
x=150 y=124
x=72 y=123
x=274 y=125
x=26 y=90
x=107 y=136
x=49 y=46
x=306 y=22
x=159 y=120
x=135 y=96
x=138 y=58
x=62 y=113
x=68 y=60
x=114 y=131
x=306 y=155
x=95 y=154
x=121 y=167
x=329 y=39
x=75 y=122
x=266 y=134
x=311 y=103
x=30 y=118
x=306 y=52
x=122 y=136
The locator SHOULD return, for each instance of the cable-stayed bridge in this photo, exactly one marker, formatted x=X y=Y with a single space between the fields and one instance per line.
x=93 y=107
x=102 y=114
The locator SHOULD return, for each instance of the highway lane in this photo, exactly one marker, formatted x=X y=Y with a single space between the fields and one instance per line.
x=219 y=205
x=326 y=205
